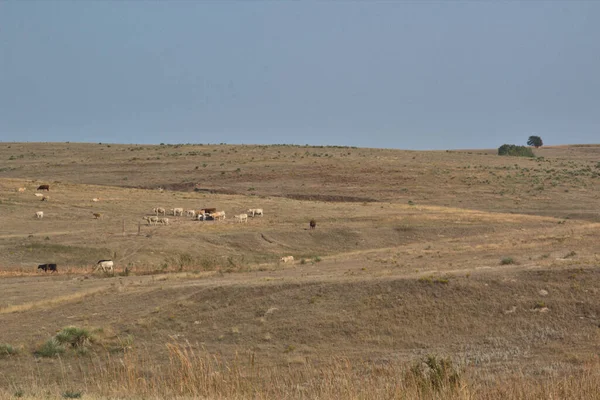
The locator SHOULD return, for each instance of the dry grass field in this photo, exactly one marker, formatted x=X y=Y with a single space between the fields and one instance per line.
x=440 y=274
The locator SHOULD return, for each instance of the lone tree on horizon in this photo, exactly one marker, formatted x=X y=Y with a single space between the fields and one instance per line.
x=535 y=141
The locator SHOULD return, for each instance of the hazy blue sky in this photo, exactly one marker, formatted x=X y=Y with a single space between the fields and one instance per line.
x=411 y=75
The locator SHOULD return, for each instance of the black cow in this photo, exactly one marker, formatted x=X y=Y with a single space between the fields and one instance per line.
x=313 y=224
x=44 y=187
x=48 y=267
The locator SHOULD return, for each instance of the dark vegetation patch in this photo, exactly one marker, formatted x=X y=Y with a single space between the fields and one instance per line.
x=330 y=198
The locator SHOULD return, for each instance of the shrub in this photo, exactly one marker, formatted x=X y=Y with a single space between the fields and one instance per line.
x=514 y=150
x=7 y=350
x=50 y=349
x=76 y=337
x=434 y=374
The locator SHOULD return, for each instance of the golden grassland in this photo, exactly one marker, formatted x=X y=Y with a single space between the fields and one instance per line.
x=442 y=275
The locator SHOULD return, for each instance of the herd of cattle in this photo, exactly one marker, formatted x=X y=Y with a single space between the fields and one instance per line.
x=204 y=214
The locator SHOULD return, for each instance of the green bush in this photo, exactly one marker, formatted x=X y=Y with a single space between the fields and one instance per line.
x=76 y=337
x=507 y=261
x=7 y=350
x=50 y=349
x=514 y=150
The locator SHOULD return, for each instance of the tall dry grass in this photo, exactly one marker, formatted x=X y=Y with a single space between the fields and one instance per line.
x=192 y=373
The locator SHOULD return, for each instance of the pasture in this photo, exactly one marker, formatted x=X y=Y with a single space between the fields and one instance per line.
x=478 y=269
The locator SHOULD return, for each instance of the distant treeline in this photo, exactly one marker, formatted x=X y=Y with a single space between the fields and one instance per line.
x=514 y=150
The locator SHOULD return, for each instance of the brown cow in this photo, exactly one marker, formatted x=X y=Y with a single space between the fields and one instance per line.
x=313 y=224
x=44 y=187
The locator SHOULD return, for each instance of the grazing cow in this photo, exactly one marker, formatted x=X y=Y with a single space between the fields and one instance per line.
x=96 y=199
x=164 y=221
x=177 y=211
x=48 y=267
x=190 y=213
x=97 y=215
x=159 y=210
x=241 y=218
x=202 y=216
x=287 y=259
x=106 y=265
x=39 y=214
x=313 y=224
x=210 y=210
x=38 y=195
x=21 y=190
x=218 y=215
x=45 y=198
x=151 y=220
x=44 y=187
x=255 y=211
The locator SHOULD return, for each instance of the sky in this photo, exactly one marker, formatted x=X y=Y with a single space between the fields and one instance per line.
x=419 y=75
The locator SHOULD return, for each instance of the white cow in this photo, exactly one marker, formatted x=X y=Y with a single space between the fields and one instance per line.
x=39 y=195
x=96 y=199
x=241 y=218
x=39 y=214
x=287 y=259
x=159 y=210
x=190 y=213
x=218 y=215
x=21 y=190
x=151 y=220
x=177 y=211
x=164 y=221
x=106 y=265
x=255 y=211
